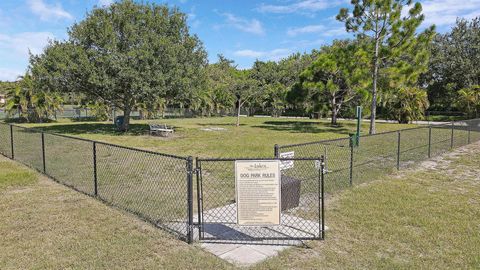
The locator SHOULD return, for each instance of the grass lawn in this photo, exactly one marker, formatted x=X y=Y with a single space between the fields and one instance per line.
x=45 y=225
x=423 y=218
x=255 y=136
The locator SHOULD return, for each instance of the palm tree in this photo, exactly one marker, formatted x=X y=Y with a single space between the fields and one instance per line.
x=469 y=100
x=408 y=104
x=31 y=103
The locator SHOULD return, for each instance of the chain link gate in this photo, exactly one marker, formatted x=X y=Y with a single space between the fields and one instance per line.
x=302 y=203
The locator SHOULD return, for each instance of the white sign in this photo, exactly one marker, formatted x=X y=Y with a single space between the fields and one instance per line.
x=257 y=188
x=287 y=164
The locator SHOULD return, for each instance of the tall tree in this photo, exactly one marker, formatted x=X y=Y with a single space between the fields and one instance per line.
x=245 y=89
x=128 y=53
x=336 y=76
x=453 y=64
x=220 y=83
x=390 y=33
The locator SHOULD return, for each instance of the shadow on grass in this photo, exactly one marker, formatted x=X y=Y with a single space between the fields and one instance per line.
x=95 y=128
x=219 y=124
x=22 y=120
x=305 y=127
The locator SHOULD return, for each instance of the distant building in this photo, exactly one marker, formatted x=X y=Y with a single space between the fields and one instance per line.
x=2 y=99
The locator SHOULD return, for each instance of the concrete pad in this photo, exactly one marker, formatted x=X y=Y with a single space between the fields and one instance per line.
x=219 y=249
x=269 y=250
x=248 y=245
x=243 y=256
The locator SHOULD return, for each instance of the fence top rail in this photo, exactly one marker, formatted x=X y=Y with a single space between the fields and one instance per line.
x=99 y=142
x=260 y=159
x=381 y=133
x=315 y=142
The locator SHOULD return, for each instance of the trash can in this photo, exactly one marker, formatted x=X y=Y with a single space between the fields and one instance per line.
x=290 y=192
x=119 y=121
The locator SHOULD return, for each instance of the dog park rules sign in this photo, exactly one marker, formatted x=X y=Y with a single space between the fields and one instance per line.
x=257 y=187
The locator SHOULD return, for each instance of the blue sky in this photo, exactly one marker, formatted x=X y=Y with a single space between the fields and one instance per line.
x=241 y=30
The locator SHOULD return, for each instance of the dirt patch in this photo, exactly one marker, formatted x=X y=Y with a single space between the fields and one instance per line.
x=444 y=161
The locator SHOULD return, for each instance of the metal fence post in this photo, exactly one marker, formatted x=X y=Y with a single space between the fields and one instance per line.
x=43 y=153
x=352 y=137
x=198 y=170
x=11 y=141
x=451 y=138
x=429 y=141
x=190 y=199
x=469 y=138
x=322 y=198
x=398 y=150
x=276 y=151
x=95 y=180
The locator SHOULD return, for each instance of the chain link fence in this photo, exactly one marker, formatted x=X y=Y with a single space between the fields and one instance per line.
x=301 y=213
x=159 y=188
x=383 y=153
x=156 y=187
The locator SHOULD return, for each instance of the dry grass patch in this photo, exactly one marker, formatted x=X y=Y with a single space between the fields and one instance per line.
x=426 y=219
x=48 y=226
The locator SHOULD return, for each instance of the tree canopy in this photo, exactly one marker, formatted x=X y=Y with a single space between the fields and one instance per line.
x=128 y=53
x=391 y=35
x=134 y=56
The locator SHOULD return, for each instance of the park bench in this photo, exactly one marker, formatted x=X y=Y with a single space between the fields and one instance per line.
x=160 y=130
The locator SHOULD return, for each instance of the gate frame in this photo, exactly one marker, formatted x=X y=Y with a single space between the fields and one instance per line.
x=320 y=193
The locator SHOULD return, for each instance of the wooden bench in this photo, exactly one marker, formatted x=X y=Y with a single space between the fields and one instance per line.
x=160 y=130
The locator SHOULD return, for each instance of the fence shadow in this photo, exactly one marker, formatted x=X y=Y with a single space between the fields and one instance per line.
x=95 y=128
x=306 y=127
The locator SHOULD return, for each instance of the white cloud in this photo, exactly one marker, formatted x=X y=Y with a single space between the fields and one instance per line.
x=317 y=28
x=14 y=50
x=249 y=53
x=7 y=74
x=273 y=55
x=102 y=3
x=21 y=43
x=332 y=32
x=253 y=26
x=305 y=29
x=192 y=18
x=445 y=12
x=304 y=6
x=303 y=43
x=48 y=12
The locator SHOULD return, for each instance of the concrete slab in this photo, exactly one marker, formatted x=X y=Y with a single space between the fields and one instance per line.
x=245 y=245
x=269 y=250
x=219 y=249
x=243 y=256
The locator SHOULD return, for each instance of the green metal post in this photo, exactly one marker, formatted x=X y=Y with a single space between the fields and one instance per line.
x=359 y=119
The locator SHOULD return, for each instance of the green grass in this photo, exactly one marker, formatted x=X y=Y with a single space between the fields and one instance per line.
x=425 y=218
x=48 y=226
x=12 y=175
x=155 y=186
x=255 y=136
x=422 y=219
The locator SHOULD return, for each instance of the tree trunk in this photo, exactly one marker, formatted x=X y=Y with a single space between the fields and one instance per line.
x=374 y=90
x=334 y=116
x=126 y=119
x=334 y=112
x=238 y=112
